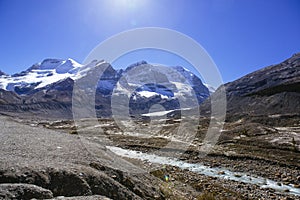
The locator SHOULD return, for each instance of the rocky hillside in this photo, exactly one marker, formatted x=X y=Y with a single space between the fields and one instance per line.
x=271 y=94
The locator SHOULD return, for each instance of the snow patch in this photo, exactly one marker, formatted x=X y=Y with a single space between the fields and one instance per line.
x=149 y=94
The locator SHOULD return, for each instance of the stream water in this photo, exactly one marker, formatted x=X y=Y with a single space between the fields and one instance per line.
x=206 y=170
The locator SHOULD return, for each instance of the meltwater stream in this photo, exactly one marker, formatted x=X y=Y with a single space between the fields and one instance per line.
x=205 y=170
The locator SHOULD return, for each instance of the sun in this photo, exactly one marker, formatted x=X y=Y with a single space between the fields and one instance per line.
x=127 y=5
x=117 y=14
x=129 y=11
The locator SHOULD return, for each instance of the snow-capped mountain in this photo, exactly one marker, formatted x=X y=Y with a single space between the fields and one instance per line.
x=52 y=81
x=52 y=71
x=170 y=81
x=40 y=75
x=143 y=85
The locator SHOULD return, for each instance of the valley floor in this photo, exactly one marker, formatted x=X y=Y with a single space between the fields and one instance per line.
x=48 y=159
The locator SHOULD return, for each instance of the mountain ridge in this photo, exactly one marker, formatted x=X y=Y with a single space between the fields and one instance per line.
x=52 y=81
x=270 y=91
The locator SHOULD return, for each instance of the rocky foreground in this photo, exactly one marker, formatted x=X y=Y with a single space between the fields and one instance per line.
x=43 y=164
x=44 y=160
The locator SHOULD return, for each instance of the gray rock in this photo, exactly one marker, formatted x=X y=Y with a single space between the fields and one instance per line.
x=30 y=155
x=23 y=191
x=93 y=197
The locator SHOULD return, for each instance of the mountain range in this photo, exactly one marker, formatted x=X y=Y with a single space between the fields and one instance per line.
x=47 y=87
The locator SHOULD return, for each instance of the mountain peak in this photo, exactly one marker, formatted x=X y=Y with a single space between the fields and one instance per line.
x=39 y=75
x=60 y=66
x=142 y=62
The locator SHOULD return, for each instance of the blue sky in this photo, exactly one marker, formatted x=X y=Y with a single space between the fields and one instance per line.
x=240 y=35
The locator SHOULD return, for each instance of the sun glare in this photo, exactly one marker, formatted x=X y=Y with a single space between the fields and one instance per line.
x=127 y=5
x=126 y=10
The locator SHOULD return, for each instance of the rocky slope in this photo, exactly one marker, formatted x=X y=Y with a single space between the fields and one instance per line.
x=271 y=94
